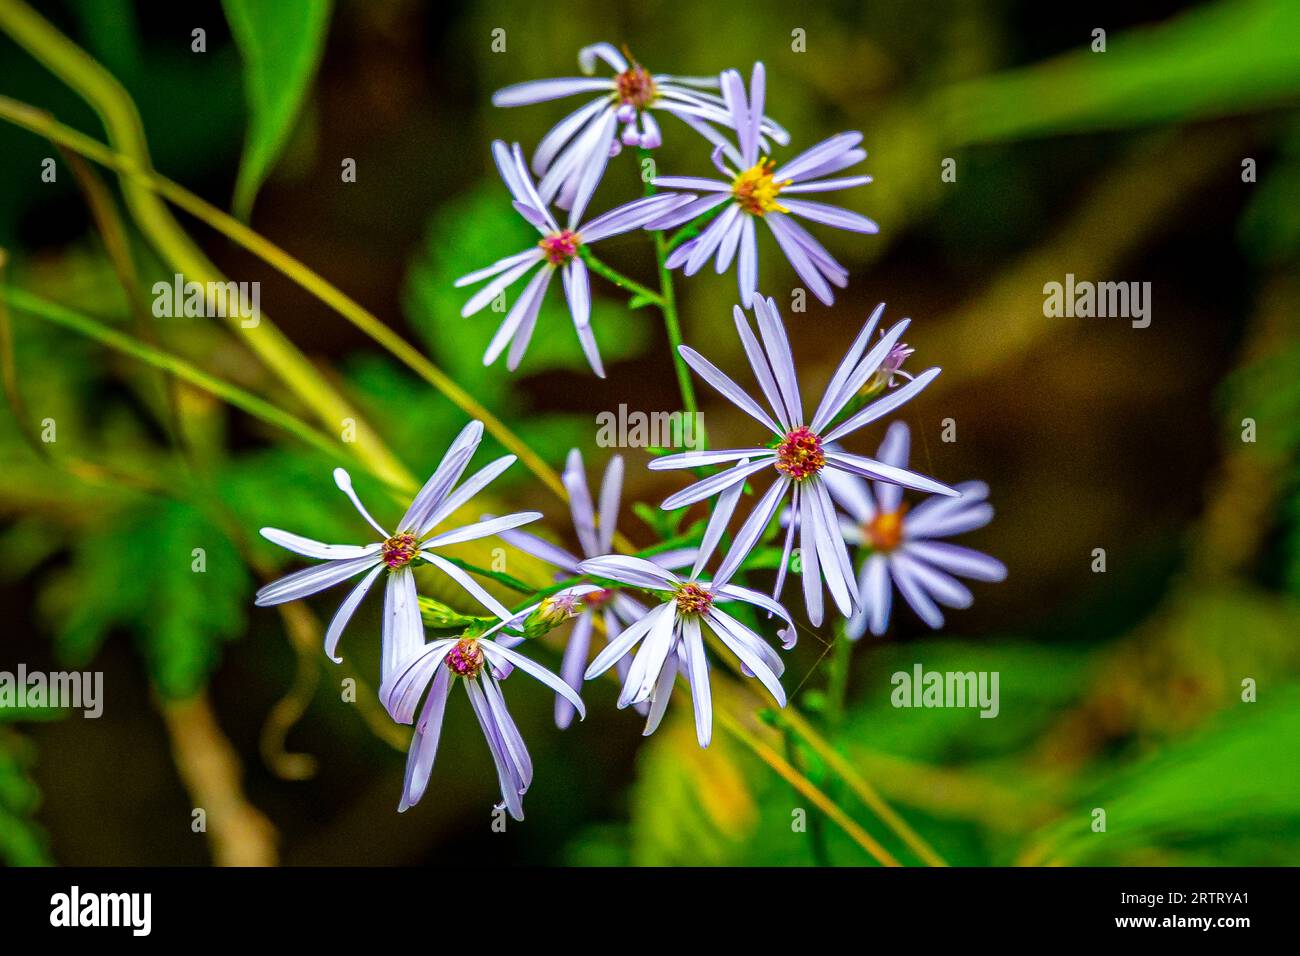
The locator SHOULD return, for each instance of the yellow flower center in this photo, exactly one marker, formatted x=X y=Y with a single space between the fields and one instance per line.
x=884 y=532
x=693 y=599
x=756 y=190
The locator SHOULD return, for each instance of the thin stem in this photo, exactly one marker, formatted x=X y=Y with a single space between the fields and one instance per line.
x=838 y=677
x=674 y=327
x=863 y=790
x=512 y=583
x=668 y=306
x=808 y=789
x=246 y=401
x=816 y=835
x=620 y=280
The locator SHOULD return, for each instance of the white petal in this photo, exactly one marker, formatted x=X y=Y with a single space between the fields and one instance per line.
x=539 y=91
x=611 y=490
x=309 y=581
x=697 y=668
x=482 y=529
x=533 y=669
x=882 y=406
x=751 y=530
x=728 y=388
x=461 y=577
x=617 y=648
x=472 y=486
x=728 y=631
x=403 y=631
x=627 y=569
x=315 y=549
x=345 y=612
x=707 y=487
x=448 y=472
x=956 y=559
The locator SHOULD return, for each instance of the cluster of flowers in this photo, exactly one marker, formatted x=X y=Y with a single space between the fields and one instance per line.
x=655 y=609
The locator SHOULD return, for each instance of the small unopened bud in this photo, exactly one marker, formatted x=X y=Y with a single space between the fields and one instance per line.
x=550 y=614
x=883 y=377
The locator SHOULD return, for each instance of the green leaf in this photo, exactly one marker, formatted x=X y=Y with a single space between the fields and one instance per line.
x=280 y=42
x=1215 y=60
x=22 y=841
x=1221 y=789
x=167 y=574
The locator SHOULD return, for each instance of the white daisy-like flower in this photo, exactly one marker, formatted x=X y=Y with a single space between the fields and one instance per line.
x=595 y=531
x=559 y=250
x=481 y=664
x=670 y=633
x=571 y=158
x=758 y=189
x=412 y=539
x=901 y=547
x=799 y=453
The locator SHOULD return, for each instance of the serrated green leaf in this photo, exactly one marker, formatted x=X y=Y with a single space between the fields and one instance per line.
x=139 y=572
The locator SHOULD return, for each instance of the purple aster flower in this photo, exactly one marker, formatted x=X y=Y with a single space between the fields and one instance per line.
x=571 y=158
x=901 y=547
x=615 y=608
x=481 y=664
x=756 y=188
x=799 y=453
x=671 y=637
x=559 y=249
x=412 y=539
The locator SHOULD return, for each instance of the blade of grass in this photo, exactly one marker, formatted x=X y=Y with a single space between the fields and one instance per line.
x=110 y=100
x=259 y=408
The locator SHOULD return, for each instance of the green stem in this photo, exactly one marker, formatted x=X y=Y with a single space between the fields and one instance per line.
x=29 y=304
x=668 y=306
x=620 y=280
x=511 y=582
x=838 y=677
x=816 y=832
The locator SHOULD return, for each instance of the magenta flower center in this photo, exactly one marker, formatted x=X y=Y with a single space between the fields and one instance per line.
x=466 y=658
x=560 y=247
x=693 y=599
x=800 y=454
x=399 y=550
x=636 y=87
